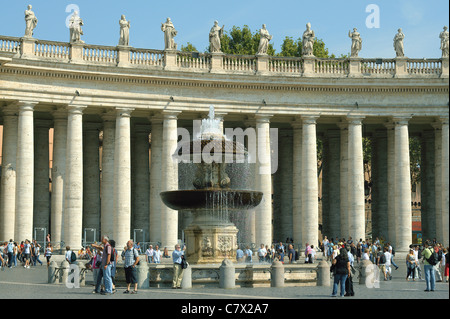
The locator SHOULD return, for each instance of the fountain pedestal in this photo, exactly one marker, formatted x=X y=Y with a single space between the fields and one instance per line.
x=210 y=244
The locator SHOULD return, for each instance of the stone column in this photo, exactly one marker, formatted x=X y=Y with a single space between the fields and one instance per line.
x=263 y=222
x=445 y=182
x=140 y=182
x=122 y=179
x=58 y=175
x=25 y=172
x=402 y=185
x=330 y=185
x=91 y=177
x=282 y=189
x=297 y=181
x=380 y=193
x=73 y=186
x=427 y=185
x=310 y=187
x=155 y=179
x=356 y=200
x=41 y=213
x=438 y=181
x=169 y=180
x=107 y=175
x=343 y=180
x=9 y=169
x=391 y=214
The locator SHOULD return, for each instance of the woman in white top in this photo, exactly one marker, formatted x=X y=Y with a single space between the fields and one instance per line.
x=48 y=253
x=366 y=255
x=157 y=255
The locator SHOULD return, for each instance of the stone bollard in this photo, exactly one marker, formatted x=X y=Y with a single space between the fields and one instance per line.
x=143 y=275
x=365 y=270
x=65 y=268
x=82 y=273
x=186 y=282
x=227 y=274
x=277 y=274
x=323 y=274
x=52 y=272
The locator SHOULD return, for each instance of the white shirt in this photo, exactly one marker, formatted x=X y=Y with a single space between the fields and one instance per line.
x=365 y=256
x=262 y=252
x=157 y=256
x=388 y=259
x=149 y=254
x=27 y=248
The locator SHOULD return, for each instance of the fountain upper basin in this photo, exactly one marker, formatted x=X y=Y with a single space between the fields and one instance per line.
x=211 y=199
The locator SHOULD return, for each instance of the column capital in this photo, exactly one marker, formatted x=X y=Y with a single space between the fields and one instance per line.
x=263 y=118
x=343 y=125
x=170 y=115
x=443 y=120
x=389 y=125
x=75 y=109
x=9 y=110
x=25 y=105
x=355 y=119
x=401 y=120
x=309 y=119
x=123 y=112
x=59 y=113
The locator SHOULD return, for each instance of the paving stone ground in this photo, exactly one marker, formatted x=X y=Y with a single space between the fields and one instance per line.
x=32 y=283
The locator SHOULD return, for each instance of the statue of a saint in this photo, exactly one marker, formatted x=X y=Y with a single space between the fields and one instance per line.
x=356 y=42
x=75 y=24
x=264 y=40
x=124 y=31
x=31 y=22
x=308 y=41
x=215 y=35
x=444 y=36
x=169 y=34
x=398 y=44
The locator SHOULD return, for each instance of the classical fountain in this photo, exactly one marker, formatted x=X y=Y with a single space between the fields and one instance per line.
x=211 y=237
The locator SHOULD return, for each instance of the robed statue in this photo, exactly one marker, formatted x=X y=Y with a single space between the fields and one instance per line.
x=265 y=37
x=169 y=34
x=308 y=41
x=398 y=44
x=75 y=24
x=30 y=21
x=215 y=35
x=124 y=31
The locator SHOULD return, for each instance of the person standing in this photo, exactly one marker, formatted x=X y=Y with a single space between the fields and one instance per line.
x=157 y=255
x=240 y=255
x=177 y=256
x=262 y=253
x=341 y=270
x=291 y=254
x=27 y=253
x=105 y=270
x=418 y=269
x=428 y=267
x=131 y=259
x=37 y=253
x=387 y=265
x=410 y=265
x=10 y=252
x=149 y=254
x=248 y=255
x=280 y=251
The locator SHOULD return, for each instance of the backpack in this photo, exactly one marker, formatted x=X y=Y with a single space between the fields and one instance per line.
x=112 y=255
x=382 y=259
x=73 y=257
x=433 y=260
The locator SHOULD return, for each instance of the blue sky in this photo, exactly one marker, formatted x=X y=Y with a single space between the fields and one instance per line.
x=421 y=21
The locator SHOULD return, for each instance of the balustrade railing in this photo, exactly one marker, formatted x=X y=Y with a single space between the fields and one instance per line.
x=193 y=61
x=239 y=63
x=424 y=66
x=99 y=54
x=146 y=57
x=285 y=65
x=9 y=44
x=244 y=64
x=378 y=66
x=52 y=49
x=331 y=66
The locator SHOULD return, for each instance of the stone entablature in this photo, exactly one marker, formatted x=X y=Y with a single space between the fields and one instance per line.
x=307 y=66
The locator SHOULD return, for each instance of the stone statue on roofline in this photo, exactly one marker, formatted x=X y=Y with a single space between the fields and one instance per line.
x=75 y=24
x=356 y=42
x=398 y=44
x=124 y=31
x=444 y=36
x=215 y=36
x=169 y=34
x=30 y=21
x=308 y=41
x=265 y=37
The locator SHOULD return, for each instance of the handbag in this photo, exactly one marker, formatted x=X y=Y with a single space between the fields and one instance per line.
x=184 y=263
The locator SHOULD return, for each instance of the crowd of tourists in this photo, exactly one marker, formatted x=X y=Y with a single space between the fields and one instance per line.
x=26 y=254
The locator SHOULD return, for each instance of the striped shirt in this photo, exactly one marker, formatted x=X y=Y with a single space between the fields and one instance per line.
x=130 y=257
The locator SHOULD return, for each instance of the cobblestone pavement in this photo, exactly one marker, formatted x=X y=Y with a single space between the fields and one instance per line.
x=32 y=283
